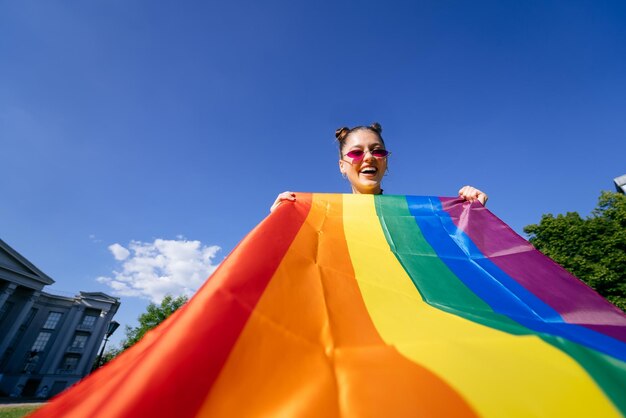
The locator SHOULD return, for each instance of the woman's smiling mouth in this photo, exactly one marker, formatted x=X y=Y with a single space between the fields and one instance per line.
x=369 y=171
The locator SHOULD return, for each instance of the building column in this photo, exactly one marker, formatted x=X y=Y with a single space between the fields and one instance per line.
x=4 y=344
x=66 y=332
x=6 y=293
x=93 y=344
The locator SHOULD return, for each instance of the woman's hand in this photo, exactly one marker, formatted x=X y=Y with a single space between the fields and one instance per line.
x=284 y=196
x=471 y=194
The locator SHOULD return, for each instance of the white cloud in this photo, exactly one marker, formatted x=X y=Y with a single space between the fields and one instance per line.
x=153 y=269
x=120 y=253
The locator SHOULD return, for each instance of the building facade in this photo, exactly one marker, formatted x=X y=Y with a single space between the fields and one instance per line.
x=620 y=183
x=47 y=342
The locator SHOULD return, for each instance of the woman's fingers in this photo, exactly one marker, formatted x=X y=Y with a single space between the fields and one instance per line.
x=471 y=194
x=284 y=196
x=287 y=196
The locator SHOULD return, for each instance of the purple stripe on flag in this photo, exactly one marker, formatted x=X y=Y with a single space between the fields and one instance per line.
x=576 y=302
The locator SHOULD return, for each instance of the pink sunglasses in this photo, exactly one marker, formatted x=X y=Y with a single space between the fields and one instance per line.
x=357 y=154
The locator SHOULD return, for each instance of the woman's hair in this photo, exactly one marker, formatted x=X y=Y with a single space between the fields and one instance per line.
x=342 y=134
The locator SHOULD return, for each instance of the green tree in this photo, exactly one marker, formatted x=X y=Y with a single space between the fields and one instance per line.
x=109 y=354
x=593 y=248
x=154 y=315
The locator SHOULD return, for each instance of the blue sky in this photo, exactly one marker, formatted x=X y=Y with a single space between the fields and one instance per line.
x=168 y=128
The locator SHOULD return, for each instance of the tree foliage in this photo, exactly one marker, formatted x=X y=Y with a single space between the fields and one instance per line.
x=109 y=354
x=154 y=315
x=593 y=248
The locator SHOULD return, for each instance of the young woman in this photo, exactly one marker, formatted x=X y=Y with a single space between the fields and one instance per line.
x=363 y=161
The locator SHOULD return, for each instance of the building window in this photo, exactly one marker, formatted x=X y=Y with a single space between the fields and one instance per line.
x=41 y=341
x=88 y=321
x=53 y=320
x=79 y=341
x=30 y=365
x=70 y=362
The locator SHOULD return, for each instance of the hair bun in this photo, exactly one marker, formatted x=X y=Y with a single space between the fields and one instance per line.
x=341 y=133
x=376 y=126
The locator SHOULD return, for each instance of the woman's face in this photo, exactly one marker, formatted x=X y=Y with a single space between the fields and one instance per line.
x=365 y=174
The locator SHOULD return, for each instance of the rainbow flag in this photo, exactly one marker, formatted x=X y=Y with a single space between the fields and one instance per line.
x=373 y=306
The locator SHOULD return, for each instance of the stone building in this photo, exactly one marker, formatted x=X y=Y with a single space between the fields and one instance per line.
x=47 y=342
x=620 y=183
